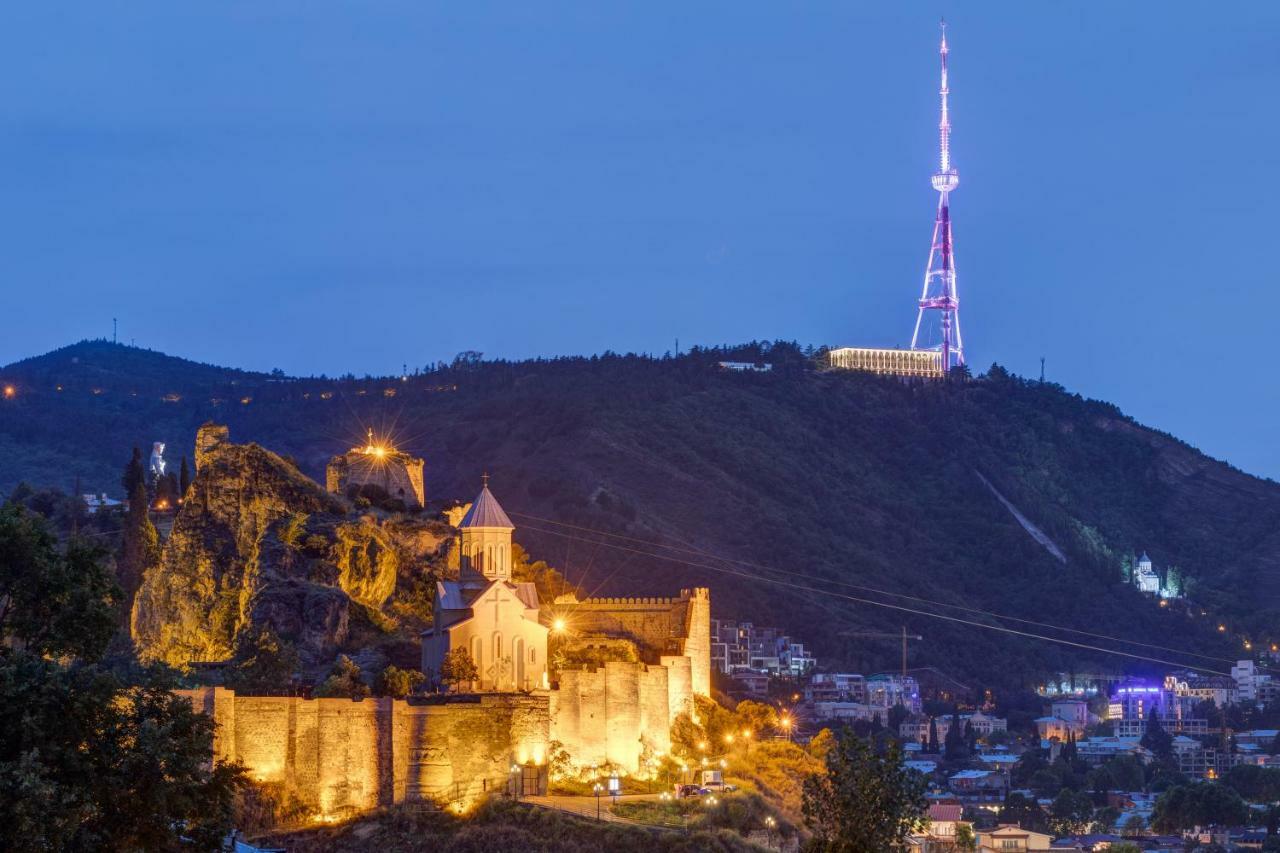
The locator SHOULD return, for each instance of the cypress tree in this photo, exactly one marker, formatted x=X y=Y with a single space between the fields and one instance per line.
x=954 y=748
x=140 y=548
x=933 y=735
x=134 y=473
x=184 y=480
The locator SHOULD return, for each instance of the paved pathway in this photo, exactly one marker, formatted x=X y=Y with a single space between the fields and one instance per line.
x=586 y=807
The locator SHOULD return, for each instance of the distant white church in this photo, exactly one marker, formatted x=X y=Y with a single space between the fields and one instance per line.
x=1147 y=579
x=495 y=620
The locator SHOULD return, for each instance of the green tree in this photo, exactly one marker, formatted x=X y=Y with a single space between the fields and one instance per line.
x=1104 y=819
x=264 y=664
x=140 y=545
x=897 y=714
x=458 y=668
x=1023 y=811
x=954 y=748
x=51 y=602
x=87 y=761
x=1070 y=812
x=344 y=681
x=1156 y=739
x=184 y=479
x=756 y=717
x=134 y=473
x=933 y=745
x=965 y=837
x=1253 y=783
x=864 y=801
x=397 y=683
x=1198 y=804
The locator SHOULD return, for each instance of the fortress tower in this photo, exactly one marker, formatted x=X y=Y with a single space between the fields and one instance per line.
x=938 y=315
x=377 y=464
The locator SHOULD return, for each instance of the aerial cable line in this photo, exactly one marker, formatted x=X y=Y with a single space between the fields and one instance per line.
x=899 y=607
x=907 y=596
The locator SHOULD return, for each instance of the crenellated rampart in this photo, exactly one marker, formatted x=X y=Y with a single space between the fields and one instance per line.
x=341 y=757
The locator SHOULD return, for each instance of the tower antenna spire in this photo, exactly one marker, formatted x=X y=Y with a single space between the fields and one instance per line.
x=940 y=294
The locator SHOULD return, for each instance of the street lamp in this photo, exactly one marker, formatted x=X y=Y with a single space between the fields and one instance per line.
x=515 y=780
x=769 y=824
x=598 y=789
x=786 y=725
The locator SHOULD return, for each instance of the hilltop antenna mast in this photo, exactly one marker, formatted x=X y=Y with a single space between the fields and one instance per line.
x=940 y=292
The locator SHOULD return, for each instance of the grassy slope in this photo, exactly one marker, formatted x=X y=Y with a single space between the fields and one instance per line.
x=835 y=477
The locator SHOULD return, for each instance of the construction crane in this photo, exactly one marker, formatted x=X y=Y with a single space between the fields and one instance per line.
x=904 y=636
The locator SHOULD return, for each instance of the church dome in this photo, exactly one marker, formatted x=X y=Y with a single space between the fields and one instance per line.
x=486 y=512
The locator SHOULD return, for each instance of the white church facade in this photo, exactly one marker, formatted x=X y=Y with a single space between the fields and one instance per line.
x=484 y=612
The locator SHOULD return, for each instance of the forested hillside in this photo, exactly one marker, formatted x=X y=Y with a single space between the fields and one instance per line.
x=823 y=478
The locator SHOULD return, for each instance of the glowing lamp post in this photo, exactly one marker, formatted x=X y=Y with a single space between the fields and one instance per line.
x=515 y=780
x=786 y=725
x=598 y=788
x=769 y=824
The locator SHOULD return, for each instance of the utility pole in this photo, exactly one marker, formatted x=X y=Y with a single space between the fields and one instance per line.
x=114 y=323
x=904 y=636
x=1041 y=370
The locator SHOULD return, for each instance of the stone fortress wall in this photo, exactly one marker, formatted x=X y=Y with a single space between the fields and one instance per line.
x=398 y=473
x=659 y=626
x=342 y=757
x=621 y=713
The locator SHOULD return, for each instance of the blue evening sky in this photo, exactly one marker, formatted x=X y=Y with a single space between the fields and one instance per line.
x=324 y=186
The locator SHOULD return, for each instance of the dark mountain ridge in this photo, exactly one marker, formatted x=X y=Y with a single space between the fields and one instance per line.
x=826 y=478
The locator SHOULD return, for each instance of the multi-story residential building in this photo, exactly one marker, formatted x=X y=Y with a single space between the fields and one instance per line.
x=1066 y=717
x=1096 y=750
x=976 y=786
x=1134 y=704
x=1263 y=739
x=1222 y=690
x=836 y=687
x=737 y=645
x=1202 y=762
x=885 y=691
x=1251 y=685
x=916 y=727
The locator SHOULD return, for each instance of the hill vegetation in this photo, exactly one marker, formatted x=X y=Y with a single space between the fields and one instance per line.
x=782 y=490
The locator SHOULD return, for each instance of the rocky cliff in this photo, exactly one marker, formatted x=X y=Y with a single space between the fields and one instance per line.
x=256 y=543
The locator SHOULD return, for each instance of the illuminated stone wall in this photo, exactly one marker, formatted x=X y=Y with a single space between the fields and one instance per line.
x=659 y=626
x=341 y=757
x=614 y=714
x=398 y=473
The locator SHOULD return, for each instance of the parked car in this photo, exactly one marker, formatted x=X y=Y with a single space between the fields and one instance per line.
x=683 y=791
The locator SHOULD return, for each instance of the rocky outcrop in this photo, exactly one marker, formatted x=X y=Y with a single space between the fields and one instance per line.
x=256 y=543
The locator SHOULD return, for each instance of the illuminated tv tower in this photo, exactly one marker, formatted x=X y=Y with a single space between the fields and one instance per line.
x=940 y=294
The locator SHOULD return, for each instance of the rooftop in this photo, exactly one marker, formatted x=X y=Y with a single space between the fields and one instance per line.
x=486 y=512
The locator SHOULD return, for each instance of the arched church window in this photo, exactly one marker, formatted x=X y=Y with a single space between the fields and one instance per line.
x=497 y=646
x=533 y=655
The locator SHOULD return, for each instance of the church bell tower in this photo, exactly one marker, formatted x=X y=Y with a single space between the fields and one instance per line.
x=486 y=537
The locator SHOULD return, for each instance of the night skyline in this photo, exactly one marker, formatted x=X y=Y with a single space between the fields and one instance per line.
x=230 y=182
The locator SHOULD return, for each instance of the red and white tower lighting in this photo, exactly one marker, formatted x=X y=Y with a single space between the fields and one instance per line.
x=940 y=297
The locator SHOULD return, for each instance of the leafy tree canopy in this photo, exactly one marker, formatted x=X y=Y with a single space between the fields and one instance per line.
x=53 y=602
x=864 y=801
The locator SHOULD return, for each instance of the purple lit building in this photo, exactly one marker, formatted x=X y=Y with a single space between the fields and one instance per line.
x=1134 y=704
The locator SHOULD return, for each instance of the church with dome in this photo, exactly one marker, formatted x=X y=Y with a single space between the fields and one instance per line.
x=483 y=611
